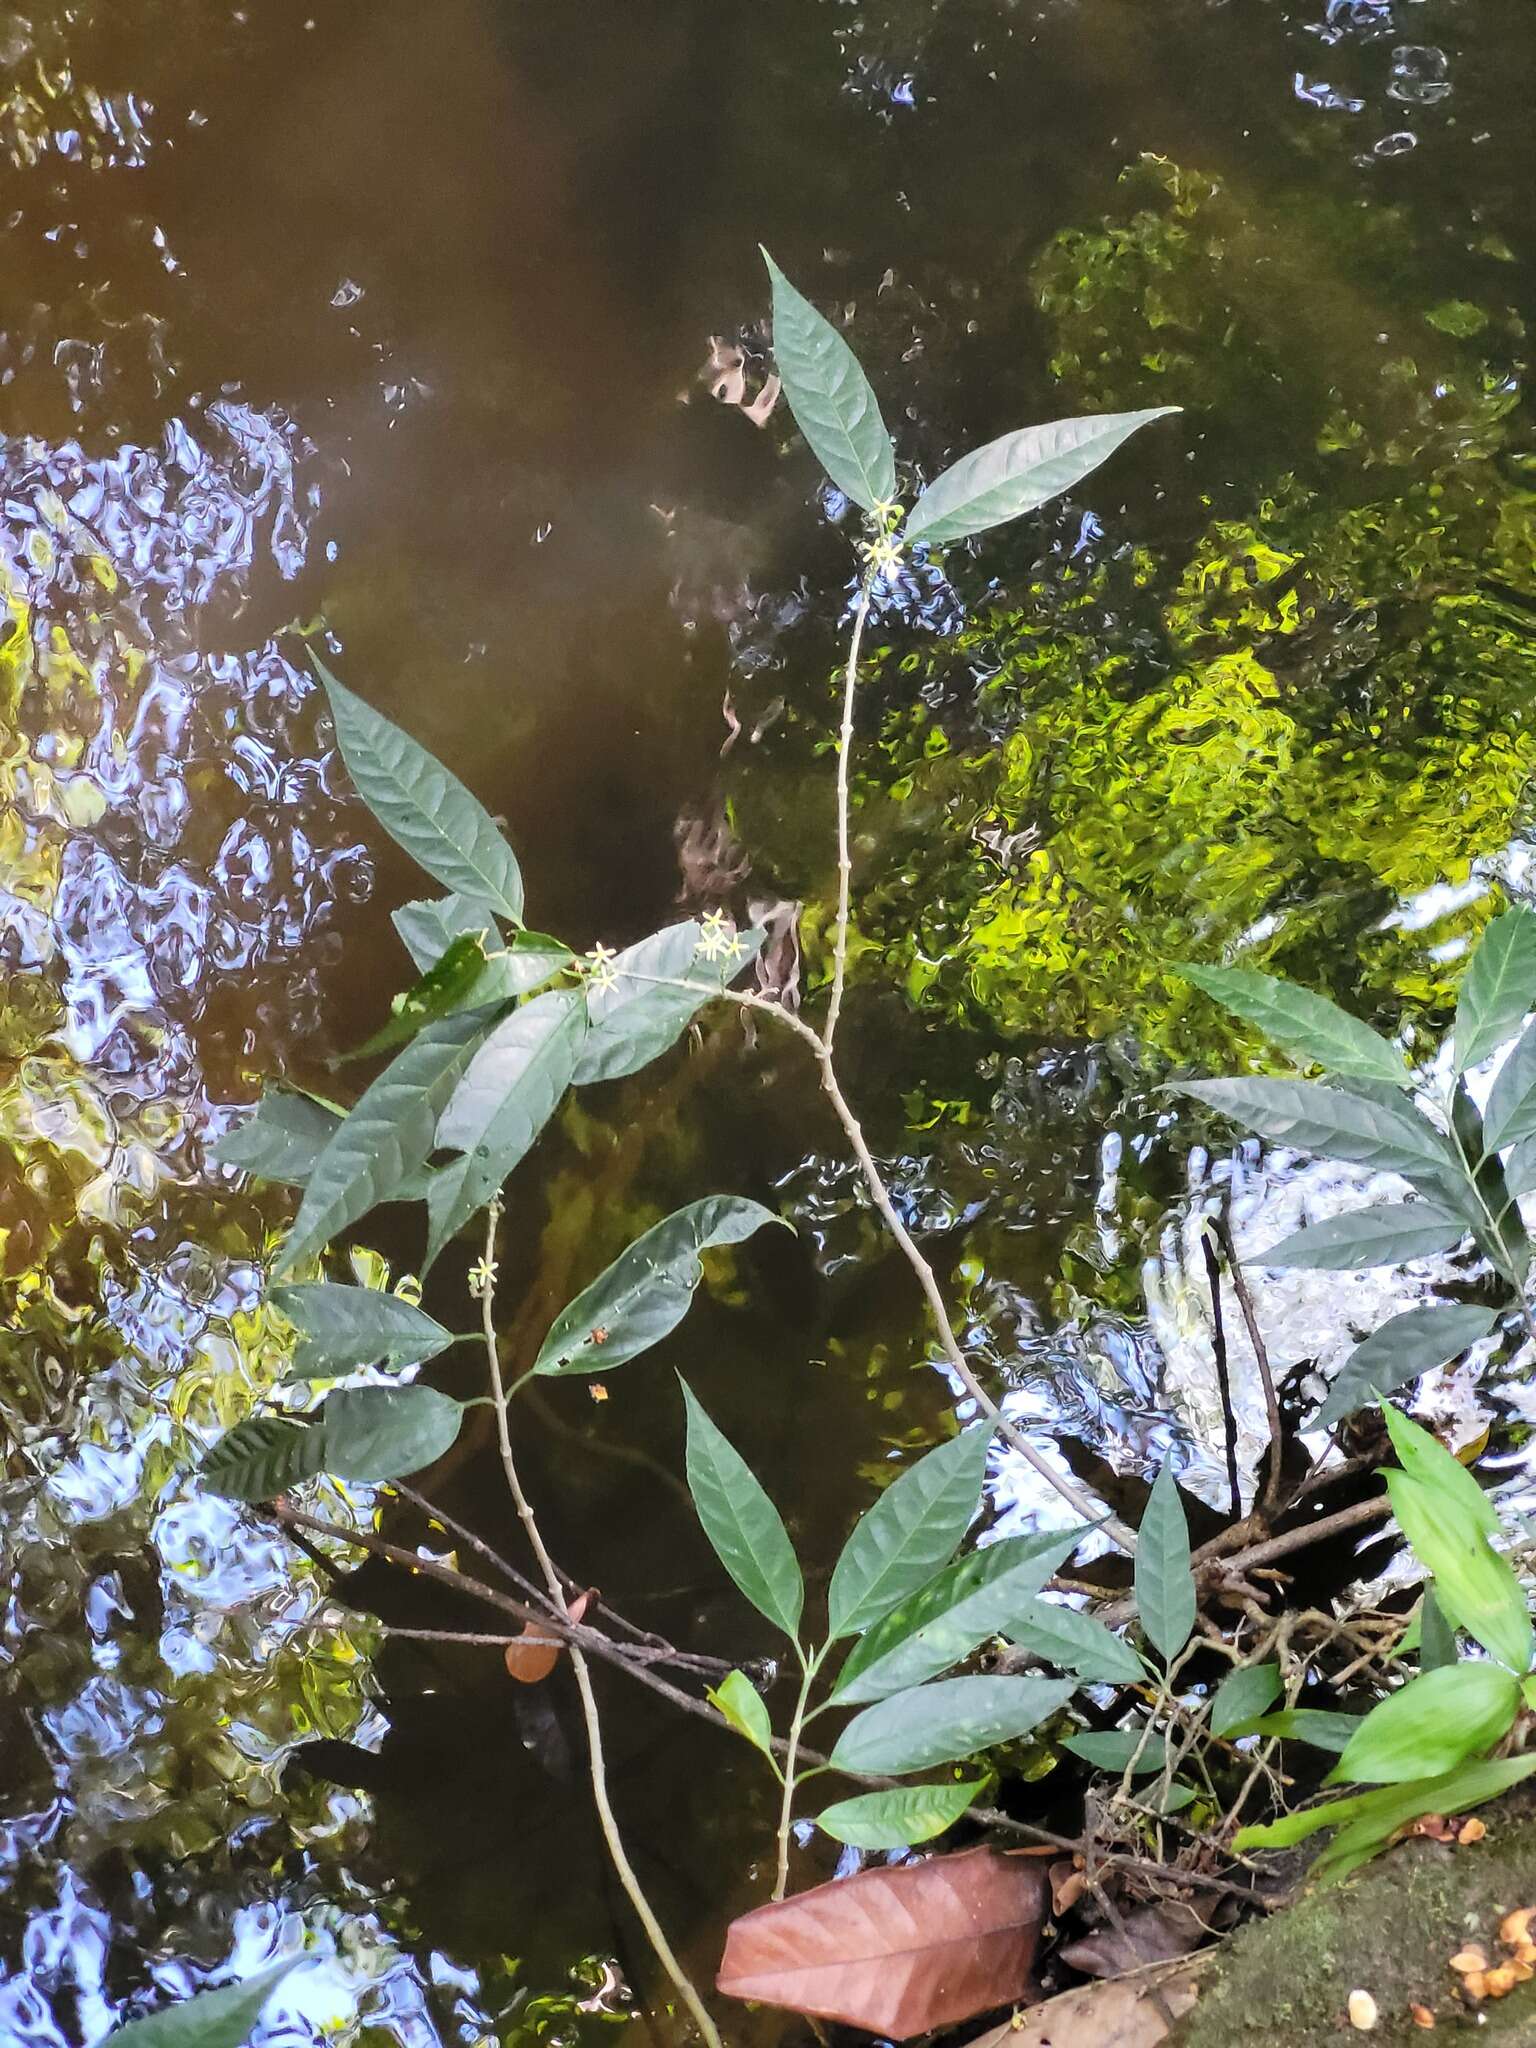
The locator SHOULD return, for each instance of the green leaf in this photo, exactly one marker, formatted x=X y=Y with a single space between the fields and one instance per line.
x=1387 y=1235
x=830 y=397
x=467 y=977
x=1418 y=1341
x=281 y=1139
x=645 y=1293
x=742 y=1705
x=1394 y=1806
x=911 y=1531
x=1503 y=1237
x=634 y=1017
x=428 y=927
x=1314 y=1725
x=1475 y=1587
x=373 y=1433
x=1511 y=1112
x=386 y=1137
x=1164 y=1577
x=1243 y=1695
x=445 y=987
x=223 y=2018
x=341 y=1328
x=742 y=1523
x=1372 y=1818
x=940 y=1723
x=898 y=1819
x=510 y=1091
x=1075 y=1641
x=1520 y=1170
x=1437 y=1638
x=1497 y=989
x=421 y=806
x=262 y=1457
x=1429 y=1464
x=1339 y=1123
x=976 y=1597
x=1434 y=1723
x=1304 y=1024
x=1019 y=472
x=1111 y=1749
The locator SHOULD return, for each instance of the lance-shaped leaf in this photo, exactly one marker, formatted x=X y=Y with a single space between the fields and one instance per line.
x=1437 y=1638
x=742 y=1523
x=1388 y=1235
x=900 y=1817
x=1382 y=1131
x=1304 y=1024
x=1498 y=988
x=429 y=926
x=510 y=1091
x=1390 y=1808
x=895 y=1952
x=341 y=1328
x=282 y=1138
x=224 y=2018
x=1243 y=1695
x=1511 y=1112
x=945 y=1721
x=636 y=1012
x=951 y=1614
x=386 y=1137
x=912 y=1529
x=373 y=1433
x=1312 y=1725
x=1419 y=1340
x=1434 y=1723
x=422 y=806
x=742 y=1705
x=262 y=1457
x=1074 y=1640
x=645 y=1293
x=830 y=397
x=1112 y=1749
x=1520 y=1169
x=1474 y=1585
x=1020 y=472
x=1164 y=1577
x=1496 y=1224
x=445 y=987
x=467 y=977
x=1448 y=1519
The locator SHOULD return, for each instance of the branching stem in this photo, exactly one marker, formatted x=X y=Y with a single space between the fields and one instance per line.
x=809 y=1666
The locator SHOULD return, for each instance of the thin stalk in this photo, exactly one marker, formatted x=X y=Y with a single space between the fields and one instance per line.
x=654 y=1931
x=808 y=1670
x=844 y=853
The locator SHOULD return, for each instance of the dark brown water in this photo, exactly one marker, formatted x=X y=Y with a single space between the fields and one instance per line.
x=399 y=316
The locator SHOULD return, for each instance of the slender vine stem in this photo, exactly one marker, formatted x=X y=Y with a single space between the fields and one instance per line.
x=844 y=850
x=607 y=1820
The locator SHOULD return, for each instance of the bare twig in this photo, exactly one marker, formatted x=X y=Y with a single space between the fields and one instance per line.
x=844 y=853
x=1269 y=1492
x=1223 y=1376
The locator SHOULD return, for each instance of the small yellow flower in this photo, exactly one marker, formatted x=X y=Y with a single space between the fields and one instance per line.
x=883 y=554
x=719 y=941
x=482 y=1277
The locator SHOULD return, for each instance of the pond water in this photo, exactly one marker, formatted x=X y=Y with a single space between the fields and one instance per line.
x=402 y=320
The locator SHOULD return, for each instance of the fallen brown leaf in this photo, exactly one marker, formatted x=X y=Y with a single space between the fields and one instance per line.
x=1152 y=1934
x=894 y=1951
x=1126 y=2012
x=1068 y=1883
x=532 y=1658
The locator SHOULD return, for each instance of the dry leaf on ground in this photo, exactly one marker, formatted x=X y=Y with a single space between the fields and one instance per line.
x=895 y=1951
x=536 y=1653
x=1151 y=1934
x=1125 y=2012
